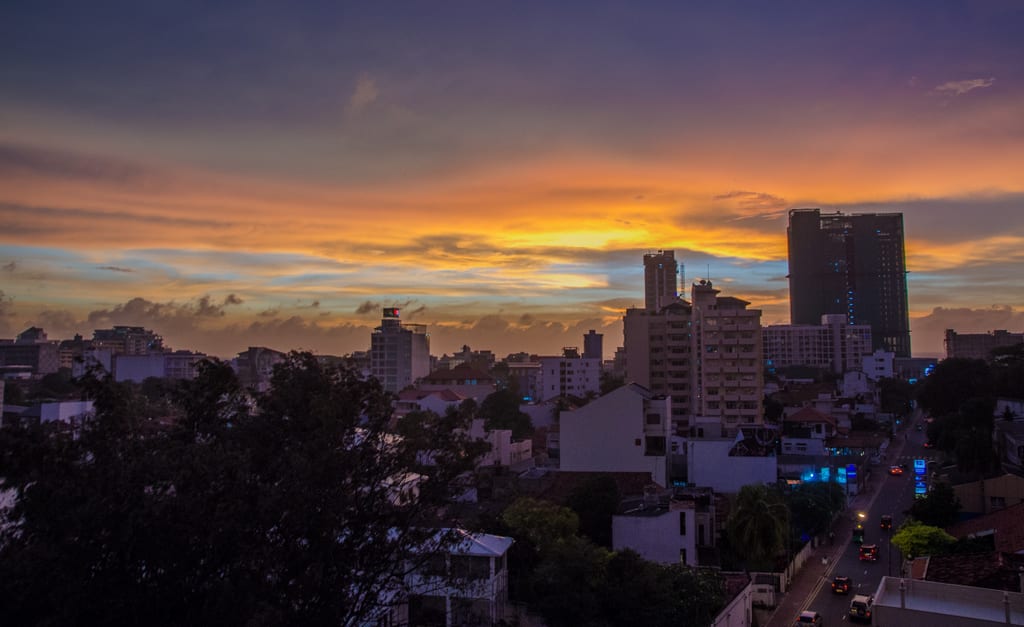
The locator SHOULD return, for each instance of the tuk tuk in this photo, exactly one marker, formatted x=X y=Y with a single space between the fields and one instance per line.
x=858 y=534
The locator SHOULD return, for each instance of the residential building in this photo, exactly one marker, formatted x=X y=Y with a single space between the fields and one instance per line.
x=728 y=368
x=30 y=352
x=665 y=528
x=706 y=353
x=726 y=464
x=399 y=353
x=661 y=279
x=569 y=375
x=1003 y=525
x=255 y=366
x=127 y=340
x=832 y=345
x=463 y=379
x=853 y=265
x=625 y=430
x=469 y=586
x=979 y=345
x=879 y=365
x=593 y=345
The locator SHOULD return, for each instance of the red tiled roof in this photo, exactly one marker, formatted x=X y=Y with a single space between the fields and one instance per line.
x=1007 y=525
x=810 y=414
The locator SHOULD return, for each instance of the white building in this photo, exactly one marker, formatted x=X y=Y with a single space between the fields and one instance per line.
x=569 y=375
x=468 y=587
x=879 y=365
x=917 y=603
x=834 y=344
x=504 y=450
x=727 y=464
x=399 y=353
x=625 y=430
x=668 y=528
x=175 y=365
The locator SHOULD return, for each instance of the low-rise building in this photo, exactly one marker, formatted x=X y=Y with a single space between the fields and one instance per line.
x=915 y=603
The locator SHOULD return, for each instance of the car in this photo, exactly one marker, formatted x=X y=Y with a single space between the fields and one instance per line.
x=929 y=445
x=869 y=552
x=841 y=584
x=808 y=617
x=919 y=428
x=895 y=471
x=860 y=608
x=886 y=521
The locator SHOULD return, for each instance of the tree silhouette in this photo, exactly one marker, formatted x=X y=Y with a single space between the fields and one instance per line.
x=758 y=524
x=301 y=509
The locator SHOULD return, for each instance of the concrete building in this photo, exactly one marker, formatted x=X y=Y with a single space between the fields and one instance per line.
x=255 y=366
x=853 y=265
x=979 y=345
x=569 y=375
x=127 y=340
x=832 y=345
x=658 y=353
x=879 y=365
x=399 y=353
x=726 y=464
x=30 y=352
x=625 y=430
x=661 y=279
x=464 y=380
x=593 y=345
x=915 y=603
x=728 y=368
x=665 y=530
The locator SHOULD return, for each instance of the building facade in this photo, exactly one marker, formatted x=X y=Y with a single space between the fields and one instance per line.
x=833 y=345
x=853 y=265
x=661 y=279
x=979 y=345
x=399 y=353
x=569 y=375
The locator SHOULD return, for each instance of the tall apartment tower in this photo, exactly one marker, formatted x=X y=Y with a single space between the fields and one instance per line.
x=593 y=345
x=852 y=265
x=706 y=354
x=399 y=353
x=661 y=279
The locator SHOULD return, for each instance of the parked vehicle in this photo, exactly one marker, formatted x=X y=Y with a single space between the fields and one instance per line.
x=809 y=617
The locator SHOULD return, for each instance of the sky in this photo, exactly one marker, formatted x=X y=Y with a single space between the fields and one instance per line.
x=237 y=174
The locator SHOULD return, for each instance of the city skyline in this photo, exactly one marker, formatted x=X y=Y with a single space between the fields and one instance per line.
x=253 y=174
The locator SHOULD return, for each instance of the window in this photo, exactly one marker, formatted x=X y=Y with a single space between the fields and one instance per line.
x=655 y=446
x=682 y=523
x=653 y=419
x=682 y=556
x=996 y=502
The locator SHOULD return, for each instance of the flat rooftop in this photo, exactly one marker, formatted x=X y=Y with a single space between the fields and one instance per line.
x=941 y=600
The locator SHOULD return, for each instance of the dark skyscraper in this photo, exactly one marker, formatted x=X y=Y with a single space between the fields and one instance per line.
x=852 y=265
x=661 y=282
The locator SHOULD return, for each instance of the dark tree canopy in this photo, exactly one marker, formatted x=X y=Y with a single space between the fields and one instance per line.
x=302 y=509
x=500 y=410
x=595 y=501
x=939 y=508
x=952 y=383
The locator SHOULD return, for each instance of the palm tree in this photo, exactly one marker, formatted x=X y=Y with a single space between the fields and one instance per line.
x=758 y=524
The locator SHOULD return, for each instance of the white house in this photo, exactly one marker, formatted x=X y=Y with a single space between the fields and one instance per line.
x=668 y=528
x=468 y=586
x=728 y=464
x=625 y=430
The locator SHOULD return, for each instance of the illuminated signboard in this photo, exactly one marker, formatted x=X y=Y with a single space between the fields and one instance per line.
x=851 y=471
x=826 y=473
x=840 y=475
x=391 y=312
x=920 y=488
x=919 y=466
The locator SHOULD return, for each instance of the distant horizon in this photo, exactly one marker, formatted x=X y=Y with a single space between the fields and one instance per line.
x=250 y=173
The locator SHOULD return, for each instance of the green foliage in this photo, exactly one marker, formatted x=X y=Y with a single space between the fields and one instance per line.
x=610 y=382
x=13 y=393
x=773 y=409
x=568 y=582
x=812 y=505
x=952 y=383
x=500 y=410
x=896 y=396
x=595 y=501
x=305 y=511
x=57 y=385
x=916 y=539
x=939 y=508
x=540 y=522
x=758 y=524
